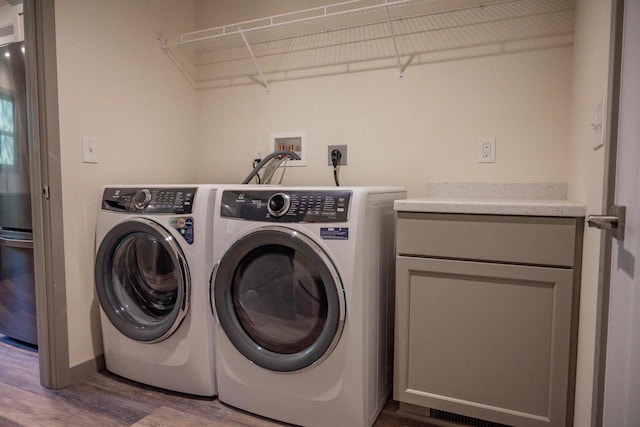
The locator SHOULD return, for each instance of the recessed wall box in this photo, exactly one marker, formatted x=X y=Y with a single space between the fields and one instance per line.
x=292 y=141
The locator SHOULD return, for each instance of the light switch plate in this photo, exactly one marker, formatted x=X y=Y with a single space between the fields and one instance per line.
x=89 y=150
x=599 y=123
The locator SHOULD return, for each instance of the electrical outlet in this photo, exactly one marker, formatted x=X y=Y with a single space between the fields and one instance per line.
x=343 y=154
x=487 y=150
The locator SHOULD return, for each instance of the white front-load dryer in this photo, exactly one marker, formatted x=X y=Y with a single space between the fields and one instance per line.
x=153 y=263
x=303 y=296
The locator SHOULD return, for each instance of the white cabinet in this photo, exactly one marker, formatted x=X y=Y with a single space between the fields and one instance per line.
x=486 y=316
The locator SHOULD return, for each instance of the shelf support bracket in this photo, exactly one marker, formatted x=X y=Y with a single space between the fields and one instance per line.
x=395 y=42
x=253 y=56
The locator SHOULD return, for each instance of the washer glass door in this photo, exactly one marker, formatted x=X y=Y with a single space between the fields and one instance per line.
x=142 y=280
x=279 y=299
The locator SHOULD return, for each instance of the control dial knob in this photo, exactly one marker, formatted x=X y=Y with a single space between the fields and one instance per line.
x=141 y=199
x=278 y=204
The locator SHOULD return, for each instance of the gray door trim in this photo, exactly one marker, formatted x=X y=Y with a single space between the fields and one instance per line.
x=608 y=199
x=46 y=193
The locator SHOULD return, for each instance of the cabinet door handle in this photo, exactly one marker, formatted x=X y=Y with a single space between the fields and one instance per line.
x=614 y=221
x=603 y=222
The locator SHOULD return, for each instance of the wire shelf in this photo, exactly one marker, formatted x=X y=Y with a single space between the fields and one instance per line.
x=359 y=35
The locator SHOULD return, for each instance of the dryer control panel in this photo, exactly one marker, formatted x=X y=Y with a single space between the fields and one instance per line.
x=287 y=206
x=174 y=200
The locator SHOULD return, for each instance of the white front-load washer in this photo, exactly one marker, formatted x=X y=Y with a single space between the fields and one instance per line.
x=153 y=263
x=303 y=296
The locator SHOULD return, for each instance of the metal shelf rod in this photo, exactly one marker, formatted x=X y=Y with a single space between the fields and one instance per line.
x=395 y=42
x=228 y=30
x=255 y=61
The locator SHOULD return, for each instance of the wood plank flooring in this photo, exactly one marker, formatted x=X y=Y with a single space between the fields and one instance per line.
x=108 y=400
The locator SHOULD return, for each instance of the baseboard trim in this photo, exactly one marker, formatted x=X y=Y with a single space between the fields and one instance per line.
x=82 y=371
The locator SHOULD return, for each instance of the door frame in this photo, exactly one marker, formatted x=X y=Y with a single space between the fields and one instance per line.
x=46 y=193
x=608 y=199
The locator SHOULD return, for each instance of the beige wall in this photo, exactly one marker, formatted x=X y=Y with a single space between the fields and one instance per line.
x=590 y=80
x=115 y=84
x=409 y=132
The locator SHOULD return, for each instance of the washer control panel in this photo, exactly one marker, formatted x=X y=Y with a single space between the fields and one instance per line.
x=287 y=206
x=174 y=200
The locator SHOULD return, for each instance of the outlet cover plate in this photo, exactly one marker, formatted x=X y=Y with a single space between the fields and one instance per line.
x=343 y=151
x=487 y=149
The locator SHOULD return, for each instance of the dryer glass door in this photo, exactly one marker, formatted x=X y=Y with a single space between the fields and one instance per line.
x=142 y=280
x=279 y=299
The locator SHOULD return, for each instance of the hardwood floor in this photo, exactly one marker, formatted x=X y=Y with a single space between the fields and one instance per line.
x=107 y=400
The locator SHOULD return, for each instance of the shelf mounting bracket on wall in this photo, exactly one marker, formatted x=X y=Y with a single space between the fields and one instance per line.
x=395 y=43
x=255 y=60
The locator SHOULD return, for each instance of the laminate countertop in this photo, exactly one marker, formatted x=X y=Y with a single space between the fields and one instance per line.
x=527 y=207
x=495 y=199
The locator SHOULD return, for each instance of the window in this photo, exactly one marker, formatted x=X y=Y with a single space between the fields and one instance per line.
x=7 y=130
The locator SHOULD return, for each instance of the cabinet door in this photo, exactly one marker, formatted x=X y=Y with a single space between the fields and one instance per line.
x=489 y=341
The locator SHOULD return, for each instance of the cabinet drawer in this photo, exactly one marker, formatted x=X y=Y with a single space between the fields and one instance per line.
x=511 y=239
